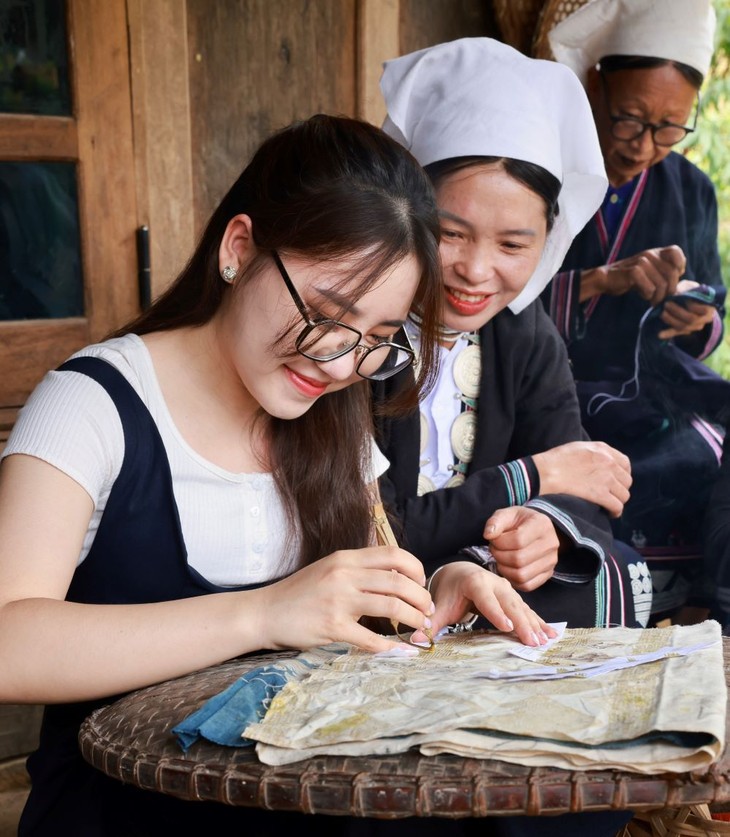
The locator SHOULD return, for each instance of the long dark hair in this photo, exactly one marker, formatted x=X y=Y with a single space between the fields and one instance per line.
x=325 y=188
x=539 y=180
x=613 y=63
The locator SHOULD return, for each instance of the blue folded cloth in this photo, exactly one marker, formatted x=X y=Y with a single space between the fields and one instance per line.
x=222 y=718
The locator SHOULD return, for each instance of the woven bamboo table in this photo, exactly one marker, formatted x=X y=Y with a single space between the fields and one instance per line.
x=130 y=740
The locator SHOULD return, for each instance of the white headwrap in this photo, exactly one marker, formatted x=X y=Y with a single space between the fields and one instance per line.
x=477 y=96
x=677 y=30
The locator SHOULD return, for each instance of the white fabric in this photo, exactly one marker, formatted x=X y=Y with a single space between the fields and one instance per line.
x=477 y=96
x=233 y=525
x=440 y=408
x=677 y=30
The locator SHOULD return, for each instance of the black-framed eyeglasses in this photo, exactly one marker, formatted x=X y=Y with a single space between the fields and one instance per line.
x=324 y=339
x=629 y=128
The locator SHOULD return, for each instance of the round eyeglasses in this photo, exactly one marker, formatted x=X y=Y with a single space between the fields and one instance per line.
x=324 y=339
x=629 y=128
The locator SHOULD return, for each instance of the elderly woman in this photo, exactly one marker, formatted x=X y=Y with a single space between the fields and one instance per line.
x=639 y=296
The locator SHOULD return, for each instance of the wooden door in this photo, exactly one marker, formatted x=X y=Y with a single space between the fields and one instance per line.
x=67 y=197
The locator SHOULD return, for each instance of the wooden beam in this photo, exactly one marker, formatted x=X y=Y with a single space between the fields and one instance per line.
x=158 y=36
x=7 y=420
x=377 y=41
x=29 y=349
x=38 y=137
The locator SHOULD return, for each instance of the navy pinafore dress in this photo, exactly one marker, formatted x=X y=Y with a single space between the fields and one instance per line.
x=138 y=556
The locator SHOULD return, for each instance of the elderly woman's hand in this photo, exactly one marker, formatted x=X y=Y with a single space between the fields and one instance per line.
x=654 y=274
x=687 y=317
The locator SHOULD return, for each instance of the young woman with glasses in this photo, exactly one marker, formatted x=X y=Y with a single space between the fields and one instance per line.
x=199 y=486
x=639 y=299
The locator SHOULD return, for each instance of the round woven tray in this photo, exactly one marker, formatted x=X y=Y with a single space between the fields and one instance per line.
x=689 y=821
x=130 y=740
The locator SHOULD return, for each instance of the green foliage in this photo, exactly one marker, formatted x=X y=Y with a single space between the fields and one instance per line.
x=709 y=148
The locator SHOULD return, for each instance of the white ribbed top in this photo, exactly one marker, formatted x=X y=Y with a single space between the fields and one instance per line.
x=233 y=524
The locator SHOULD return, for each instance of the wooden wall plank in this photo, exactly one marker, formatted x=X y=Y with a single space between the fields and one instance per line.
x=427 y=22
x=37 y=138
x=255 y=66
x=162 y=142
x=377 y=41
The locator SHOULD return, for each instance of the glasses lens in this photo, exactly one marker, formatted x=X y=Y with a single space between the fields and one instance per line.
x=627 y=129
x=327 y=340
x=669 y=134
x=380 y=362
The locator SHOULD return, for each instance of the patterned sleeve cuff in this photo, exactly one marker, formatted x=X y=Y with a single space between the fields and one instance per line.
x=570 y=571
x=481 y=555
x=714 y=336
x=521 y=480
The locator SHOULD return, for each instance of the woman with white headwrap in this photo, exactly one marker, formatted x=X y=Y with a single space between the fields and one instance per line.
x=499 y=457
x=639 y=297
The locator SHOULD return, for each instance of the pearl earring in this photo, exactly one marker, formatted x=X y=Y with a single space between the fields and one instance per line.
x=228 y=274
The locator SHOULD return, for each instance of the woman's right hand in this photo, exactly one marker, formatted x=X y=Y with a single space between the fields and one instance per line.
x=593 y=471
x=323 y=602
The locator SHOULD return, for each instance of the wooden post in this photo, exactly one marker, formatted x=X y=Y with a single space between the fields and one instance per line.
x=162 y=138
x=107 y=202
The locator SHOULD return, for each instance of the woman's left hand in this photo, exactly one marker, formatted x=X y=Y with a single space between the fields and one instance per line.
x=525 y=545
x=463 y=587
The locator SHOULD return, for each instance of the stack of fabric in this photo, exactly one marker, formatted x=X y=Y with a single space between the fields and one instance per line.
x=644 y=700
